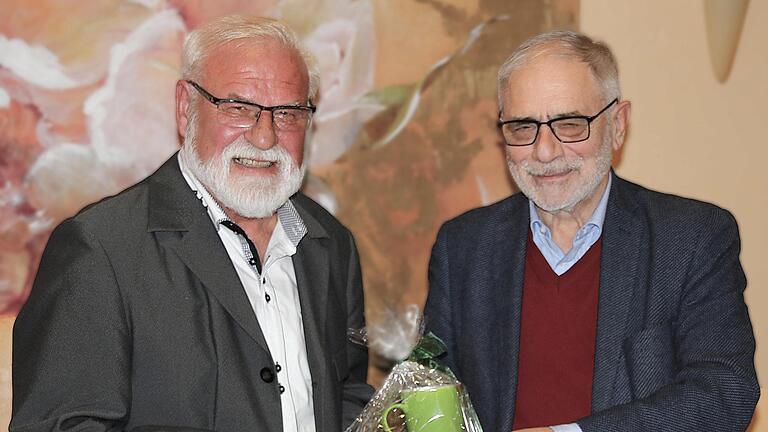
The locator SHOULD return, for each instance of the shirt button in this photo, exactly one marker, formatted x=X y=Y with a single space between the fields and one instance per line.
x=267 y=375
x=252 y=261
x=278 y=368
x=282 y=389
x=267 y=298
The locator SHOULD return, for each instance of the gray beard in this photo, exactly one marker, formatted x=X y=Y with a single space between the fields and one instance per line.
x=249 y=197
x=521 y=171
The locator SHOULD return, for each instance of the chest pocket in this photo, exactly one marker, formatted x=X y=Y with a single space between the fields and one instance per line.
x=650 y=357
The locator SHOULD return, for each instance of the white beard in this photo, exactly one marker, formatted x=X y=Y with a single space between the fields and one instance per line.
x=248 y=196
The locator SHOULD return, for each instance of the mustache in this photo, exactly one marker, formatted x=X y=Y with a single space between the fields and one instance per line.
x=240 y=148
x=557 y=166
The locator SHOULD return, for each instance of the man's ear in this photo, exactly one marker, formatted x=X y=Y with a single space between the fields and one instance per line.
x=182 y=107
x=620 y=124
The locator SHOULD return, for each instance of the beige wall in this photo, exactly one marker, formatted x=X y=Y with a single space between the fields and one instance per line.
x=690 y=134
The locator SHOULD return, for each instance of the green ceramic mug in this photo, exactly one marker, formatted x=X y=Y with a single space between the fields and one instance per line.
x=429 y=409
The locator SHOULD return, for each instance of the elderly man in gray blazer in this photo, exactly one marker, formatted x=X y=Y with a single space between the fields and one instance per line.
x=211 y=295
x=586 y=302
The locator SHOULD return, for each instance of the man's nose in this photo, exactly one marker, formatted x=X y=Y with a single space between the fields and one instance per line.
x=262 y=134
x=547 y=147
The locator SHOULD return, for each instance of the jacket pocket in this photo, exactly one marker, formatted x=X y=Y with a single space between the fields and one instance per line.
x=650 y=357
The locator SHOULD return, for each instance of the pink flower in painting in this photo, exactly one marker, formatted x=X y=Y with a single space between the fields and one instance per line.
x=340 y=34
x=90 y=131
x=344 y=49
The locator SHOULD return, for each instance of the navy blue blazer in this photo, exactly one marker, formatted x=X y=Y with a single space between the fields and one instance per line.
x=674 y=348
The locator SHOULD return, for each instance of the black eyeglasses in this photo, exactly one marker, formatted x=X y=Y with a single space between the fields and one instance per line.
x=570 y=129
x=244 y=114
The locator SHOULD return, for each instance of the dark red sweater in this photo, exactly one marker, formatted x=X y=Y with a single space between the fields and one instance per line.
x=557 y=340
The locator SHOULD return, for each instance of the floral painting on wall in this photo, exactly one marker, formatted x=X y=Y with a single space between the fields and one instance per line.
x=404 y=136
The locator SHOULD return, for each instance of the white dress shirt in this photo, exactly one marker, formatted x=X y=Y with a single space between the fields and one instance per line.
x=274 y=297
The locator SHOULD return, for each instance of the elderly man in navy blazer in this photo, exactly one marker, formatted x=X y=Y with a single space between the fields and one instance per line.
x=586 y=302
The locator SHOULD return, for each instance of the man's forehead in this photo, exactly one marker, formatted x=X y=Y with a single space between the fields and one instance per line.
x=245 y=49
x=551 y=70
x=551 y=84
x=261 y=62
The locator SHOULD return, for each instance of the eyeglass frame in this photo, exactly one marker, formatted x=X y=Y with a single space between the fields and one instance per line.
x=218 y=101
x=500 y=123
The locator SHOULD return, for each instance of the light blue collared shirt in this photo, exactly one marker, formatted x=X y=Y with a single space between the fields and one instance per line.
x=585 y=237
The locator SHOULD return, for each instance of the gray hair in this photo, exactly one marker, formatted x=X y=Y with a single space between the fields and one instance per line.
x=206 y=38
x=567 y=43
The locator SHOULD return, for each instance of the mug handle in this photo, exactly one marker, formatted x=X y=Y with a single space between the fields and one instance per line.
x=384 y=416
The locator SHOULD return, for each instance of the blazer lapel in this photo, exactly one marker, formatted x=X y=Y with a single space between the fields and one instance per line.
x=173 y=207
x=311 y=265
x=618 y=276
x=507 y=295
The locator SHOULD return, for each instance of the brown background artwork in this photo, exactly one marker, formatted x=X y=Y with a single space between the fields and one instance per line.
x=405 y=132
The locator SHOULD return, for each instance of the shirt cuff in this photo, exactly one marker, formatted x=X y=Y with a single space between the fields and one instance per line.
x=572 y=427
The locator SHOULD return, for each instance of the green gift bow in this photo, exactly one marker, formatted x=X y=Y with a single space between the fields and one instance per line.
x=426 y=352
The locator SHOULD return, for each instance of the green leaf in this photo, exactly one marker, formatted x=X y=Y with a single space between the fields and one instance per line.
x=394 y=95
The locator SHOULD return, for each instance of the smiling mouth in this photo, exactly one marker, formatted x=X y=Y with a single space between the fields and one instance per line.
x=253 y=163
x=550 y=173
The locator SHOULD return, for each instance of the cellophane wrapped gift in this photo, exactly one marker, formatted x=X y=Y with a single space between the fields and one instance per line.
x=419 y=394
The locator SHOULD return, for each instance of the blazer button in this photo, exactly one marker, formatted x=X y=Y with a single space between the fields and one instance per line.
x=267 y=375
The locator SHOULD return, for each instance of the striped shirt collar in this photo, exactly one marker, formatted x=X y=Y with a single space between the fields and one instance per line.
x=289 y=218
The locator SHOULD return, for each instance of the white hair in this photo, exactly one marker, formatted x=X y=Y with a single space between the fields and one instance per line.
x=566 y=43
x=205 y=39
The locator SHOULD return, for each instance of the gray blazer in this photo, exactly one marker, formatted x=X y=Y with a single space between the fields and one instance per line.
x=674 y=348
x=137 y=317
